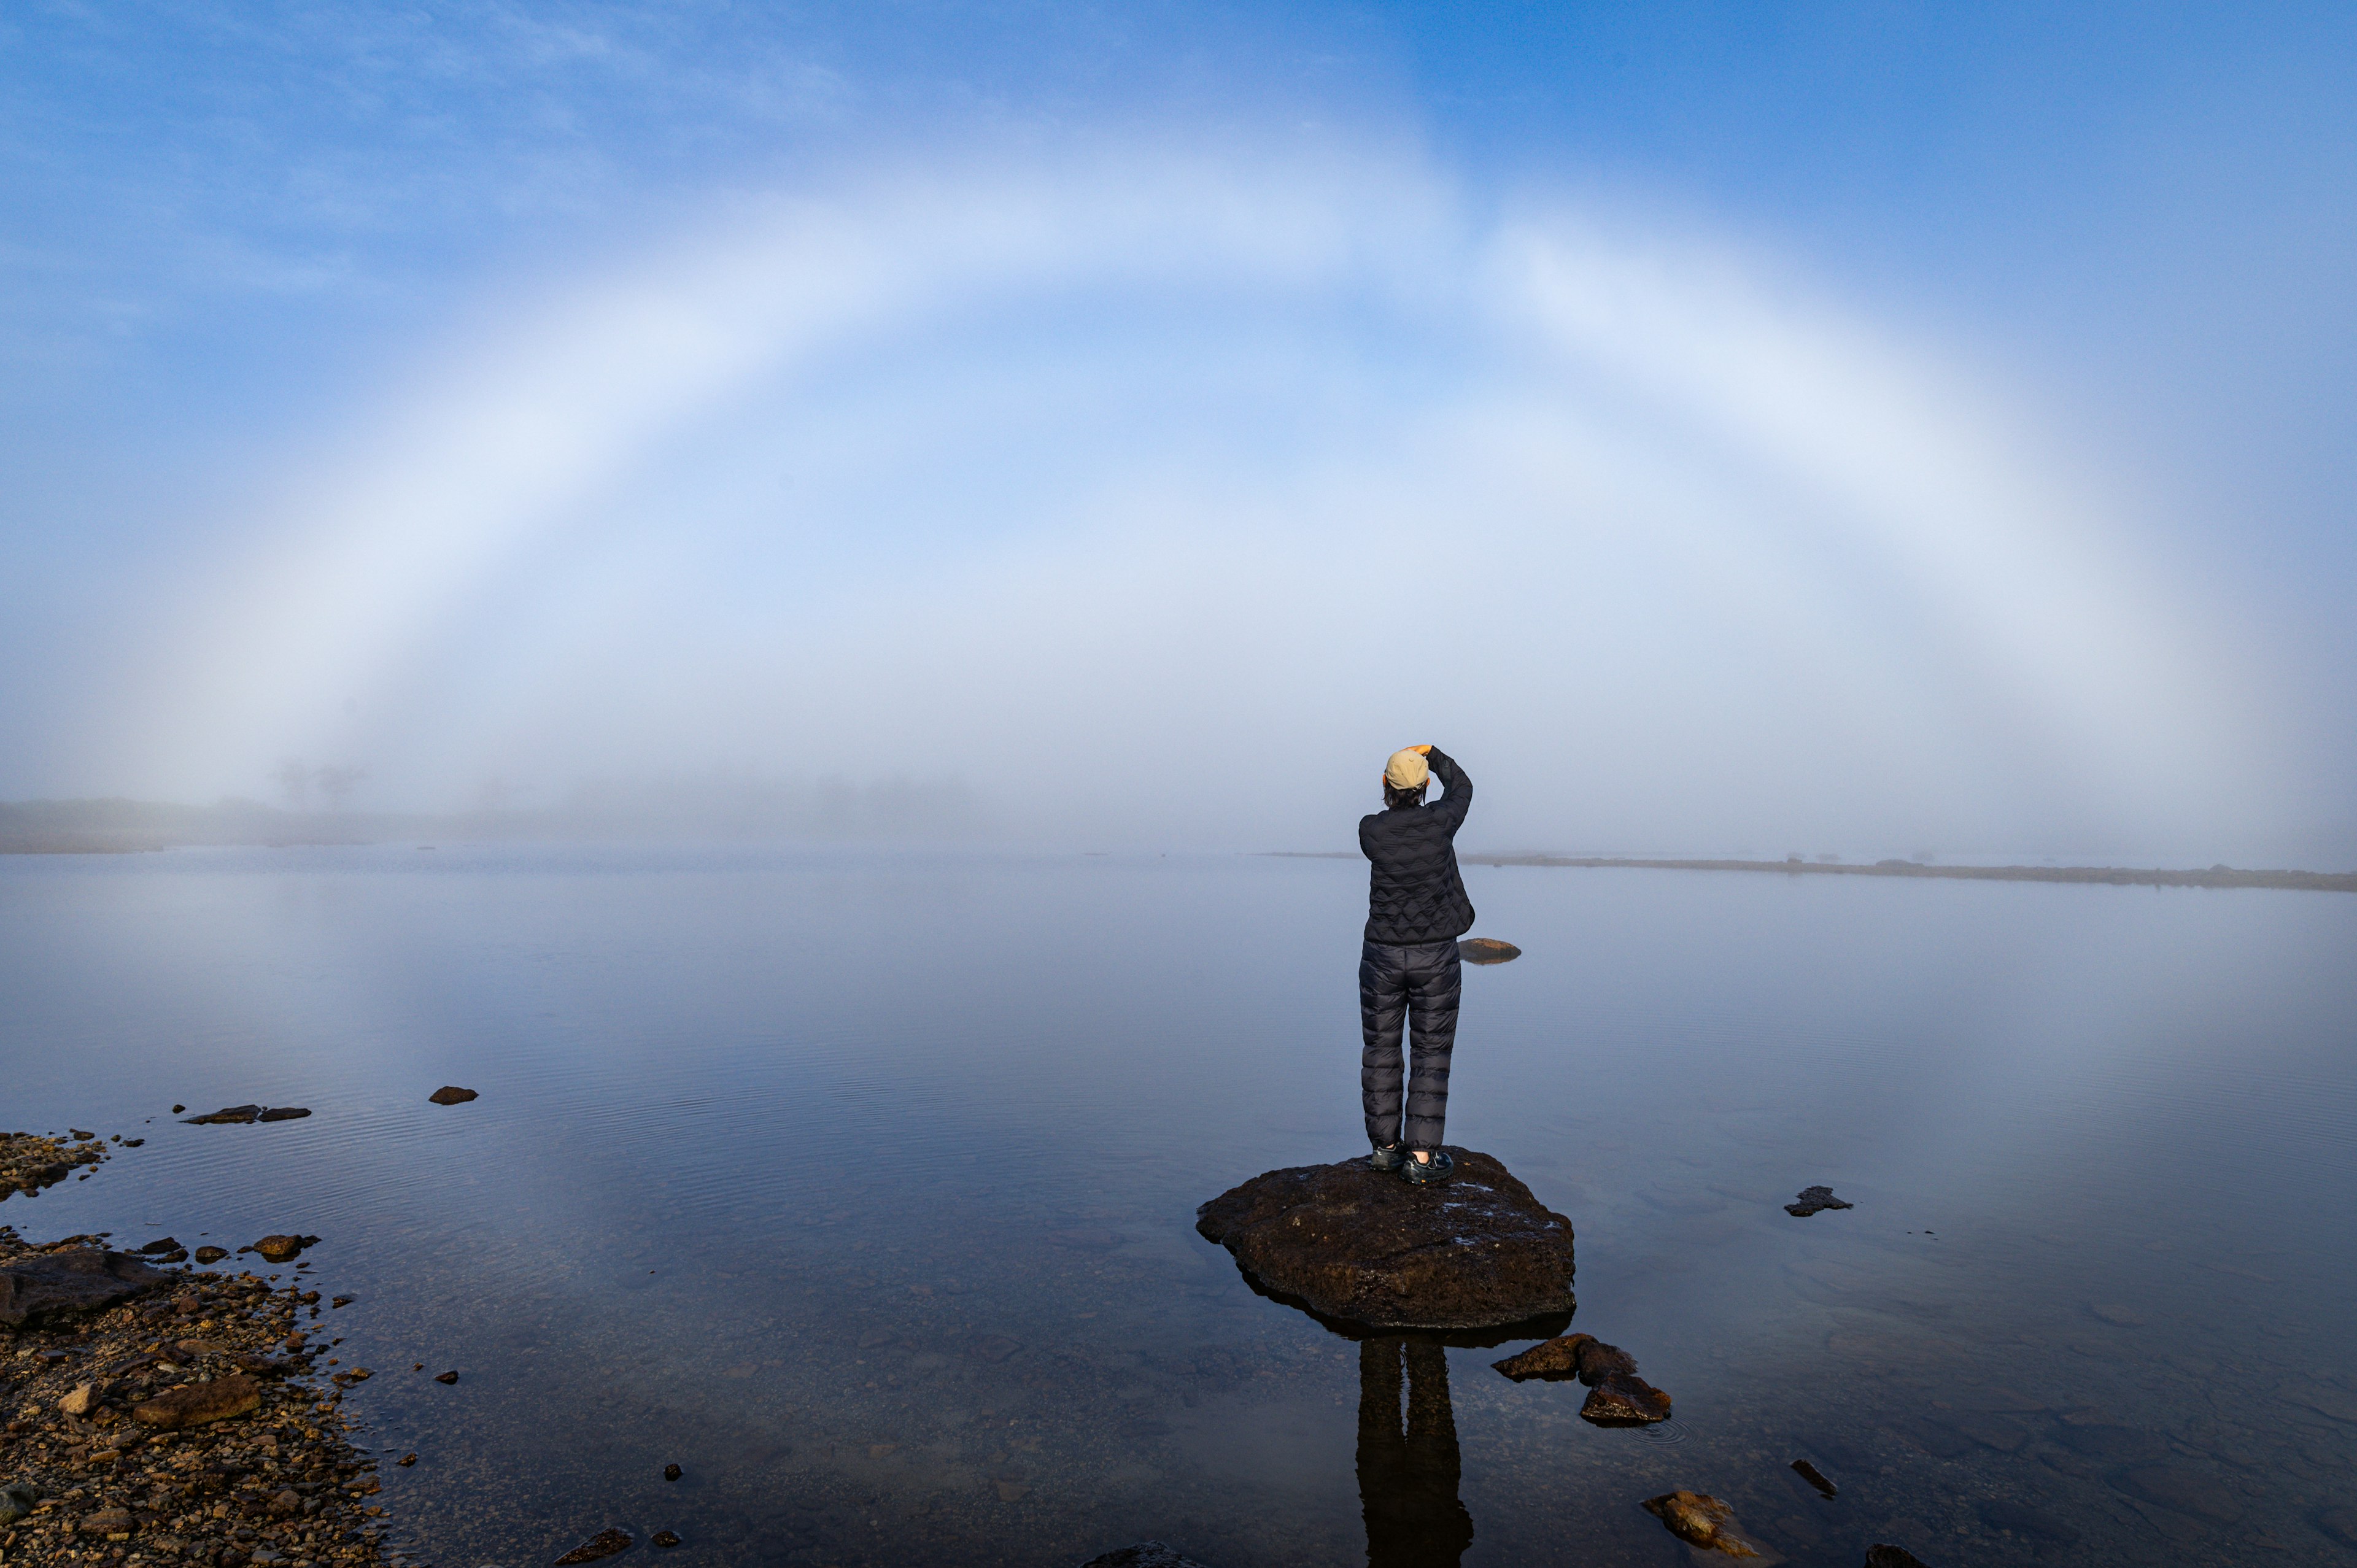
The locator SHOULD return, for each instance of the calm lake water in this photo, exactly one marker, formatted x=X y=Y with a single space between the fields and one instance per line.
x=862 y=1187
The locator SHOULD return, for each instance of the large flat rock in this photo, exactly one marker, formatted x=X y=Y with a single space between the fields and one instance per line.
x=83 y=1280
x=1362 y=1245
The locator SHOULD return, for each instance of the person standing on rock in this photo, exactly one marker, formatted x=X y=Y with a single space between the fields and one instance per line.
x=1408 y=971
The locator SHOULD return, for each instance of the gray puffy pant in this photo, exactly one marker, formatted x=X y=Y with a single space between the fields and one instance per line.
x=1417 y=986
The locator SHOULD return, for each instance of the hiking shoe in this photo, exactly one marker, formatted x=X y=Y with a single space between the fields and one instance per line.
x=1424 y=1173
x=1386 y=1157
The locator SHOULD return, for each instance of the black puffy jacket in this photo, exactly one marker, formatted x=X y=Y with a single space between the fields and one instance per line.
x=1414 y=893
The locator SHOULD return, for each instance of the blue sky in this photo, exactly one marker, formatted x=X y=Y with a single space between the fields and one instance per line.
x=256 y=256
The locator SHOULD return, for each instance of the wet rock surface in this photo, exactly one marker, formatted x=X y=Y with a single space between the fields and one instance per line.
x=1363 y=1246
x=43 y=1286
x=1701 y=1521
x=1624 y=1398
x=1487 y=950
x=1617 y=1397
x=1892 y=1557
x=280 y=1248
x=249 y=1466
x=1815 y=1478
x=451 y=1094
x=1814 y=1200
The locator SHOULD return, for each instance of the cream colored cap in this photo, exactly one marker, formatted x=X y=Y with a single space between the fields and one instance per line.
x=1407 y=769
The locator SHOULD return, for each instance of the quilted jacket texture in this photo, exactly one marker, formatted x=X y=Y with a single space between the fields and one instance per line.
x=1414 y=893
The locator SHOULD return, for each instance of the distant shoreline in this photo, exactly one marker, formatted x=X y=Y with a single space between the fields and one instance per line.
x=2116 y=876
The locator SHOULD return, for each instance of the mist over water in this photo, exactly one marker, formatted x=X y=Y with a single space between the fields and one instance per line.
x=1142 y=500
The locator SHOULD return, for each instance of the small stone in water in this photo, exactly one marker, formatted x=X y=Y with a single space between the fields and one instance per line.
x=1813 y=1199
x=285 y=1113
x=671 y=1472
x=211 y=1254
x=1701 y=1520
x=452 y=1378
x=1892 y=1557
x=663 y=1538
x=605 y=1543
x=1815 y=1478
x=406 y=1460
x=451 y=1094
x=1624 y=1398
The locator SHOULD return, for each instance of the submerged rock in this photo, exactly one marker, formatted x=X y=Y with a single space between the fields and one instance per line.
x=1813 y=1200
x=238 y=1115
x=1624 y=1398
x=1815 y=1478
x=1487 y=950
x=1362 y=1245
x=1701 y=1521
x=605 y=1543
x=1892 y=1557
x=451 y=1094
x=285 y=1113
x=1580 y=1356
x=1145 y=1554
x=211 y=1254
x=663 y=1538
x=84 y=1280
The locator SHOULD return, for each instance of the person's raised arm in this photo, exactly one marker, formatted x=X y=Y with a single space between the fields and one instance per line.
x=1457 y=790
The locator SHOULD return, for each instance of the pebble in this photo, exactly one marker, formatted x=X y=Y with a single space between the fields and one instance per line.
x=451 y=1094
x=1815 y=1478
x=663 y=1538
x=447 y=1378
x=263 y=1434
x=671 y=1472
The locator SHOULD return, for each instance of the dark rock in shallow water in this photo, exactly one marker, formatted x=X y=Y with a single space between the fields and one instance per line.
x=1815 y=1478
x=671 y=1472
x=1580 y=1356
x=1487 y=950
x=279 y=1249
x=1702 y=1521
x=663 y=1538
x=1624 y=1398
x=161 y=1244
x=228 y=1115
x=605 y=1543
x=82 y=1281
x=211 y=1254
x=1145 y=1554
x=451 y=1094
x=1556 y=1360
x=1892 y=1557
x=1360 y=1245
x=285 y=1113
x=1815 y=1200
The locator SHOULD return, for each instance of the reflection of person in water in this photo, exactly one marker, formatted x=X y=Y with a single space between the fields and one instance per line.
x=1407 y=1482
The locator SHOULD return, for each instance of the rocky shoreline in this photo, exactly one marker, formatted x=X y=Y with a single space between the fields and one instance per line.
x=173 y=1416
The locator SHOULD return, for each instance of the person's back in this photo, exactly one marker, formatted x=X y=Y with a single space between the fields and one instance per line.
x=1414 y=892
x=1408 y=968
